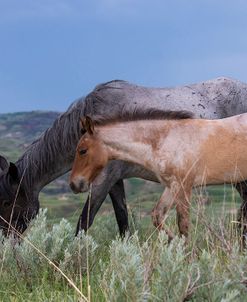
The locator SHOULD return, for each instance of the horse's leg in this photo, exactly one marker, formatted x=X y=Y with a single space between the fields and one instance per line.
x=117 y=195
x=178 y=195
x=183 y=210
x=242 y=214
x=109 y=181
x=87 y=216
x=159 y=213
x=94 y=202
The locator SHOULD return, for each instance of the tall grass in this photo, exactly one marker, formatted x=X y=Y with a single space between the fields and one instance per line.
x=142 y=267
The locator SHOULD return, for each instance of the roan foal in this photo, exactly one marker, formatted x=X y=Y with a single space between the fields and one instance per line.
x=181 y=151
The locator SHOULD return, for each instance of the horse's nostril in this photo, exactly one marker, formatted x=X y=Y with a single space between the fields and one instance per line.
x=81 y=184
x=72 y=186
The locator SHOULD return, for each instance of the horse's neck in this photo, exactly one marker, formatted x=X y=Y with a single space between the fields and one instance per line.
x=52 y=154
x=39 y=167
x=35 y=177
x=128 y=143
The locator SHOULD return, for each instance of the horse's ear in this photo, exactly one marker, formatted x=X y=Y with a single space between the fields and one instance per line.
x=89 y=125
x=3 y=164
x=83 y=125
x=13 y=172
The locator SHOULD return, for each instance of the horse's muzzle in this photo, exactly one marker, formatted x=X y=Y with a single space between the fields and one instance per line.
x=80 y=186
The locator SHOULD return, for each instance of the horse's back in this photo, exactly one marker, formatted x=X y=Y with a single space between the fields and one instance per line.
x=211 y=99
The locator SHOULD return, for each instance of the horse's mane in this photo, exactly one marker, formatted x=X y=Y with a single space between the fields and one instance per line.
x=141 y=114
x=59 y=139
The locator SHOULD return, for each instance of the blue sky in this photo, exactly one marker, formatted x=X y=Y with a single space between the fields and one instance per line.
x=54 y=51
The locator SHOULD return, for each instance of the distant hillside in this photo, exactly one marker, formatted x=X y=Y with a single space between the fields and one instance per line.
x=18 y=130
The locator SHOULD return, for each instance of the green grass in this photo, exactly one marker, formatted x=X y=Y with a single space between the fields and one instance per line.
x=142 y=268
x=223 y=200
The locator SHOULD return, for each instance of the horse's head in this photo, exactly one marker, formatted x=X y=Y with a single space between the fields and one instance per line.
x=90 y=158
x=14 y=200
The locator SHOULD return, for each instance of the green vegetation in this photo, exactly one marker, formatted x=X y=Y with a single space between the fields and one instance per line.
x=142 y=267
x=18 y=130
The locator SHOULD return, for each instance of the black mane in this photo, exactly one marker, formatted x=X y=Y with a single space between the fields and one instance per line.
x=140 y=114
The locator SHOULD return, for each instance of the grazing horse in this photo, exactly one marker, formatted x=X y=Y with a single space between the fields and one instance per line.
x=180 y=151
x=52 y=154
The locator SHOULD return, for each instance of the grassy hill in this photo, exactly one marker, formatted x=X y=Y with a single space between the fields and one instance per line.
x=18 y=130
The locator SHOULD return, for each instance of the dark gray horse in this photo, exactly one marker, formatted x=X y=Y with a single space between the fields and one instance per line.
x=52 y=154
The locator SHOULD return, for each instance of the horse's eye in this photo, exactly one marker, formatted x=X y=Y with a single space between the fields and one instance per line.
x=6 y=203
x=83 y=131
x=83 y=151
